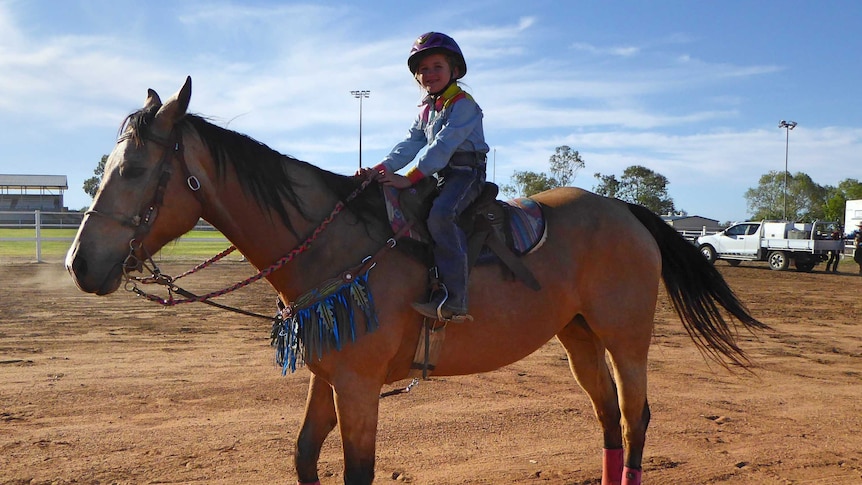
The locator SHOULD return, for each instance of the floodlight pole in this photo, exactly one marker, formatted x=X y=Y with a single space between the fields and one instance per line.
x=359 y=95
x=494 y=173
x=787 y=125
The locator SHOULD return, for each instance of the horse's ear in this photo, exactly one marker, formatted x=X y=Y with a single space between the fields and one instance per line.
x=184 y=95
x=175 y=107
x=153 y=101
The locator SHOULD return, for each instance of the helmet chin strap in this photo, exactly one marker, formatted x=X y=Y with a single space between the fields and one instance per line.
x=441 y=91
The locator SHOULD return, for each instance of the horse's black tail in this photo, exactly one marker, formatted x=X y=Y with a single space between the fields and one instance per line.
x=698 y=292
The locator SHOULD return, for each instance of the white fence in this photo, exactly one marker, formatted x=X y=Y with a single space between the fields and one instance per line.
x=39 y=220
x=691 y=236
x=21 y=220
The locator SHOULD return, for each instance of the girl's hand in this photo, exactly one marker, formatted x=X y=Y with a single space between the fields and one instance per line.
x=365 y=172
x=392 y=179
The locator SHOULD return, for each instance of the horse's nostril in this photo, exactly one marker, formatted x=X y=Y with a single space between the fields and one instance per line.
x=79 y=267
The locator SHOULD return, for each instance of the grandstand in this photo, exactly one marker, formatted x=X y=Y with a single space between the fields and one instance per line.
x=32 y=192
x=22 y=195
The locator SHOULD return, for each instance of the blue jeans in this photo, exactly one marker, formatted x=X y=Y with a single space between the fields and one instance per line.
x=459 y=187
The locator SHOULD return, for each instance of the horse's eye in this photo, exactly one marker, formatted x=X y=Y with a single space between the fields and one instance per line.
x=132 y=172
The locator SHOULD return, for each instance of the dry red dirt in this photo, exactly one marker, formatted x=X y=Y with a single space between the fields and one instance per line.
x=119 y=390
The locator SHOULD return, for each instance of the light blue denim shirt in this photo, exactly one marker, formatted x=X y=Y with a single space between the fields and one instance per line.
x=447 y=129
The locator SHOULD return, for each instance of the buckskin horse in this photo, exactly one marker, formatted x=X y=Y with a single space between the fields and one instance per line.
x=599 y=272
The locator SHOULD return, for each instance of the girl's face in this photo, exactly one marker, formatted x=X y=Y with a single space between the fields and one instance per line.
x=434 y=72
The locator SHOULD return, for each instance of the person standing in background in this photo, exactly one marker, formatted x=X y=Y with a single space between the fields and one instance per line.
x=835 y=255
x=857 y=247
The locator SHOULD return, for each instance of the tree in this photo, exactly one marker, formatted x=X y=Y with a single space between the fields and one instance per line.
x=638 y=185
x=806 y=200
x=808 y=197
x=91 y=185
x=850 y=188
x=565 y=164
x=766 y=201
x=529 y=183
x=608 y=186
x=834 y=209
x=837 y=197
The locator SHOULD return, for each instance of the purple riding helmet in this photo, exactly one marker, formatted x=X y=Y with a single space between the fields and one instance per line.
x=435 y=42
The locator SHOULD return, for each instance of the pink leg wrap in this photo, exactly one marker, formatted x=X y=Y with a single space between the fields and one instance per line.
x=308 y=483
x=612 y=466
x=632 y=476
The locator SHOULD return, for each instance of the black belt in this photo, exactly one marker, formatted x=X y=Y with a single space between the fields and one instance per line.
x=468 y=159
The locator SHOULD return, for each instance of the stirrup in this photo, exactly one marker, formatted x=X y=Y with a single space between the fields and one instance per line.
x=456 y=318
x=446 y=315
x=437 y=312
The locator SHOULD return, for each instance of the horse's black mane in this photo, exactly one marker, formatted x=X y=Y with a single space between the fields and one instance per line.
x=263 y=172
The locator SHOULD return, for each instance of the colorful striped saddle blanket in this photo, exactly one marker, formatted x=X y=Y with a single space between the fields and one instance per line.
x=526 y=224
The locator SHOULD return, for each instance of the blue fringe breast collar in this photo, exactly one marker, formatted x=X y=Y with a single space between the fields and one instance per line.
x=320 y=320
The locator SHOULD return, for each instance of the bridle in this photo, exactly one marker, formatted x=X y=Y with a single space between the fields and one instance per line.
x=143 y=221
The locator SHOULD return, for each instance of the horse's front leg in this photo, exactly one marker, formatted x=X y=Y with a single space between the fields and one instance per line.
x=356 y=401
x=320 y=419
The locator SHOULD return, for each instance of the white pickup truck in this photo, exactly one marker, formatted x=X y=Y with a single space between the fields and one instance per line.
x=806 y=244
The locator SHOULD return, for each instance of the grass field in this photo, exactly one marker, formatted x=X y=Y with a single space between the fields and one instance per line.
x=194 y=245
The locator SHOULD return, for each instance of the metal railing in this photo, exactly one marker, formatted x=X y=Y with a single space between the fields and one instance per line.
x=38 y=220
x=692 y=235
x=19 y=220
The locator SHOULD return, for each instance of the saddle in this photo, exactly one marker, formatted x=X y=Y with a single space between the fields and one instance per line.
x=497 y=231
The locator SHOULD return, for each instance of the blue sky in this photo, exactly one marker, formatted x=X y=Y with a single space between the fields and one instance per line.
x=692 y=90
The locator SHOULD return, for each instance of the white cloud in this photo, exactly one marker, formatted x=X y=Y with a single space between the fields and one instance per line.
x=283 y=73
x=621 y=51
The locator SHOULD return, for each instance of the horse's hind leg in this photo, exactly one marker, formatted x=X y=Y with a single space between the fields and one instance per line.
x=587 y=361
x=628 y=350
x=319 y=421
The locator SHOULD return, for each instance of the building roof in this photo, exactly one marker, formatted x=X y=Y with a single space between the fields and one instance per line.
x=682 y=218
x=34 y=181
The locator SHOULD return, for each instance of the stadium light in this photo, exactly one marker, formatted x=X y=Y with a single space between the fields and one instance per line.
x=787 y=125
x=359 y=95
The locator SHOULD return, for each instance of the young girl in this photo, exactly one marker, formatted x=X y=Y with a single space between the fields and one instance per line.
x=450 y=125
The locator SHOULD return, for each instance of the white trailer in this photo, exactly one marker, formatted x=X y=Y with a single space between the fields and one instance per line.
x=852 y=217
x=778 y=243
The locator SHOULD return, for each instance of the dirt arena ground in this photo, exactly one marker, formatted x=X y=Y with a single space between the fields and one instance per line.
x=117 y=390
